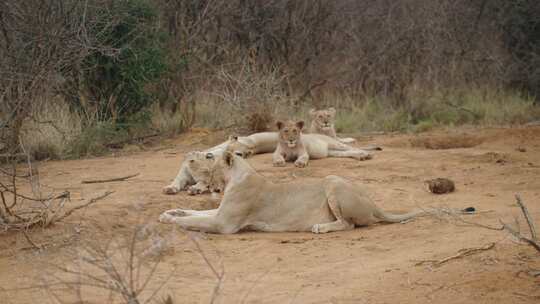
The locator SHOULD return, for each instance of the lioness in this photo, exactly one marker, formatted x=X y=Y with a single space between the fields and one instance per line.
x=243 y=146
x=297 y=147
x=322 y=122
x=251 y=202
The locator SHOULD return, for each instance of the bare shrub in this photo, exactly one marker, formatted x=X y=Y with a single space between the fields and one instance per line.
x=124 y=267
x=244 y=98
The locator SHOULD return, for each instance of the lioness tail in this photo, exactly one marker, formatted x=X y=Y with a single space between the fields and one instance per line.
x=396 y=218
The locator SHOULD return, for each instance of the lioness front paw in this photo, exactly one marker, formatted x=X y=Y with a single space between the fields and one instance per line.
x=169 y=215
x=300 y=164
x=170 y=190
x=166 y=218
x=315 y=229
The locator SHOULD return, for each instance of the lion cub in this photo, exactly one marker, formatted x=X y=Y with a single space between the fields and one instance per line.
x=290 y=146
x=323 y=123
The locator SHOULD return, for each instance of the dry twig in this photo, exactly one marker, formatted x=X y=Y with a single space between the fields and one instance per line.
x=461 y=253
x=114 y=179
x=90 y=202
x=528 y=217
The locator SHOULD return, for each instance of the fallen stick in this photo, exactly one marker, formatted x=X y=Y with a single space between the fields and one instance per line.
x=528 y=217
x=115 y=179
x=461 y=253
x=90 y=202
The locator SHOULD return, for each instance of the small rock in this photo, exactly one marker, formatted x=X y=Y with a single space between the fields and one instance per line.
x=521 y=149
x=441 y=185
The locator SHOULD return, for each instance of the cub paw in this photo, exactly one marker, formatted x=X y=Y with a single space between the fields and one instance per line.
x=194 y=190
x=300 y=164
x=279 y=163
x=367 y=156
x=170 y=190
x=364 y=156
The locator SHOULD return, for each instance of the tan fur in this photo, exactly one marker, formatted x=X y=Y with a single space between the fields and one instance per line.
x=299 y=148
x=251 y=202
x=194 y=174
x=318 y=146
x=323 y=122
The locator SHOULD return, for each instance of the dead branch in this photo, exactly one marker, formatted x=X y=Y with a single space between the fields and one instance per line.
x=219 y=275
x=528 y=217
x=115 y=179
x=461 y=253
x=34 y=245
x=520 y=236
x=90 y=202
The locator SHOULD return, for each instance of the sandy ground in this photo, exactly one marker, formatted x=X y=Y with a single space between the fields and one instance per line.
x=376 y=264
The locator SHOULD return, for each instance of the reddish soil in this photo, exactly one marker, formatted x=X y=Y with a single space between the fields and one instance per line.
x=376 y=264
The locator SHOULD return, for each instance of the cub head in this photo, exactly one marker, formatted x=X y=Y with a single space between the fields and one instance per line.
x=200 y=164
x=289 y=132
x=323 y=119
x=241 y=149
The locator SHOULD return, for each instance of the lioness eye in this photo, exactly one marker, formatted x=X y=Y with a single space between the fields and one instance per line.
x=320 y=116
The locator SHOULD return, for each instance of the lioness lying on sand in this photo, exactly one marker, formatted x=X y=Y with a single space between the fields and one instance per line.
x=251 y=202
x=300 y=148
x=322 y=122
x=243 y=146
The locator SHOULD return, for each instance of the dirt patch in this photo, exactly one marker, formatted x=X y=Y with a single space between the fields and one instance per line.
x=373 y=264
x=446 y=141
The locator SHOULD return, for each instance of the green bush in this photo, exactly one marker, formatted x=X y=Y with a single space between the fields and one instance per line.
x=118 y=81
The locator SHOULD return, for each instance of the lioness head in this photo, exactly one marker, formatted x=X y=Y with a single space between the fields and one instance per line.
x=220 y=172
x=323 y=119
x=240 y=149
x=200 y=165
x=289 y=132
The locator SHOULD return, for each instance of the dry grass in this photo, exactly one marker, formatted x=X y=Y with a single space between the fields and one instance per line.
x=51 y=130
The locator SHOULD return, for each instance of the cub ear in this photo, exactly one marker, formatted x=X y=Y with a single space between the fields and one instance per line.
x=312 y=112
x=300 y=124
x=228 y=157
x=279 y=124
x=332 y=111
x=233 y=138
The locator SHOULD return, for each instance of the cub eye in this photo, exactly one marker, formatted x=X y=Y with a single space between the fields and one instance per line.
x=286 y=131
x=320 y=116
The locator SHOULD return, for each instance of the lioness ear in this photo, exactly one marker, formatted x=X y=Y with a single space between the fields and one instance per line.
x=332 y=111
x=279 y=124
x=233 y=138
x=228 y=157
x=300 y=124
x=312 y=112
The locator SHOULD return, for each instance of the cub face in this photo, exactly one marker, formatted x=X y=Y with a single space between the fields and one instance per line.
x=289 y=132
x=240 y=149
x=323 y=119
x=200 y=165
